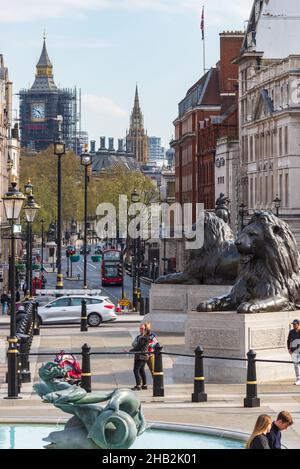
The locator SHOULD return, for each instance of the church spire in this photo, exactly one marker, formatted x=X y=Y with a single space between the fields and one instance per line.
x=136 y=139
x=136 y=99
x=44 y=58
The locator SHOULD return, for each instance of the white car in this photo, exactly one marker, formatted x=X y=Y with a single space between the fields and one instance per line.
x=67 y=310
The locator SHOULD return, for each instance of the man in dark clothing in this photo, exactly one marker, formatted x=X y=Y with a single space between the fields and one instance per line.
x=293 y=345
x=5 y=302
x=284 y=421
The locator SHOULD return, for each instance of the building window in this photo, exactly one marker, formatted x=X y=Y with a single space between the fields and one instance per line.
x=286 y=141
x=251 y=193
x=272 y=187
x=286 y=190
x=298 y=92
x=256 y=191
x=280 y=141
x=261 y=189
x=251 y=148
x=280 y=186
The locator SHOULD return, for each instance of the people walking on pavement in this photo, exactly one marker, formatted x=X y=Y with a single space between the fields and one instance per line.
x=293 y=345
x=153 y=341
x=259 y=439
x=283 y=422
x=4 y=301
x=8 y=302
x=140 y=345
x=18 y=296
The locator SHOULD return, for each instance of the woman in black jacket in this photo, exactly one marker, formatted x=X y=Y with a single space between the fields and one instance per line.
x=140 y=345
x=258 y=439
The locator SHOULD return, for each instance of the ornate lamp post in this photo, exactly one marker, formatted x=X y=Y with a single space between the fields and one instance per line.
x=28 y=189
x=86 y=161
x=277 y=203
x=242 y=214
x=135 y=198
x=43 y=221
x=31 y=208
x=13 y=201
x=59 y=151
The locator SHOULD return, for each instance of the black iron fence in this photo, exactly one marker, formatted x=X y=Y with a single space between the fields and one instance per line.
x=199 y=395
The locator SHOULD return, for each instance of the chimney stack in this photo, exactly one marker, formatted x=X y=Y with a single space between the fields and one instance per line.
x=102 y=143
x=111 y=144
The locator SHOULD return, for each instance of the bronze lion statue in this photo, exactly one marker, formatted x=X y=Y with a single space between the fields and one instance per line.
x=216 y=263
x=269 y=278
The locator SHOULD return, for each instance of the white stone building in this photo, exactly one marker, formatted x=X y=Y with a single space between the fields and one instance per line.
x=9 y=158
x=226 y=174
x=269 y=109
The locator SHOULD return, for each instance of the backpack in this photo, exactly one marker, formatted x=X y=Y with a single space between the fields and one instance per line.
x=70 y=364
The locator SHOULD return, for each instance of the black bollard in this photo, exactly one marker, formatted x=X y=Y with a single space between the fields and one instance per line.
x=142 y=306
x=86 y=375
x=36 y=323
x=158 y=374
x=83 y=322
x=251 y=399
x=199 y=379
x=24 y=362
x=147 y=305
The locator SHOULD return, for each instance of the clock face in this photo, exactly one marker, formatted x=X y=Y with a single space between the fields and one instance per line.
x=38 y=111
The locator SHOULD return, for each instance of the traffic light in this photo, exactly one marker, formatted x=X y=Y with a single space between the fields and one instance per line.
x=120 y=270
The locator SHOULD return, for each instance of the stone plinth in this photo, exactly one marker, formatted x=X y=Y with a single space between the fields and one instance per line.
x=228 y=334
x=169 y=304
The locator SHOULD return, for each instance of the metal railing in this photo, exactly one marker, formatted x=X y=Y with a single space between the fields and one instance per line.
x=199 y=395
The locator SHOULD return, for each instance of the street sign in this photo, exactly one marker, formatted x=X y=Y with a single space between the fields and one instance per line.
x=124 y=302
x=17 y=228
x=4 y=266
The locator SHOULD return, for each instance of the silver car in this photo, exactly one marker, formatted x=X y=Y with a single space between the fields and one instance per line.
x=67 y=310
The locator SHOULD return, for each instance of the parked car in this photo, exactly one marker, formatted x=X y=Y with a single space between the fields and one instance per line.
x=98 y=249
x=67 y=310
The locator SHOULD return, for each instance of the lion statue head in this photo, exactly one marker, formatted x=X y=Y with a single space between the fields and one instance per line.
x=269 y=278
x=216 y=263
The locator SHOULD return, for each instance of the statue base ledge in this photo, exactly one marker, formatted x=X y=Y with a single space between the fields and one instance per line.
x=231 y=335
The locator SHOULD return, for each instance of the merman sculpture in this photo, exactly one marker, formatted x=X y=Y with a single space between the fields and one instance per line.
x=114 y=426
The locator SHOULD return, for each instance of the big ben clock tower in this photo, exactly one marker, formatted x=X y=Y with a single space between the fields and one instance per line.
x=40 y=106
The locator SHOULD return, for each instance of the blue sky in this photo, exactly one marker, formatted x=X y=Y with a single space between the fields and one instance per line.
x=105 y=47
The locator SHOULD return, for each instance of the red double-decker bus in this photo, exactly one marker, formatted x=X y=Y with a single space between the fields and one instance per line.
x=112 y=267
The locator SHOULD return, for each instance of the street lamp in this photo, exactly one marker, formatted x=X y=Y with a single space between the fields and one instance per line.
x=31 y=208
x=163 y=233
x=277 y=203
x=43 y=221
x=12 y=201
x=28 y=189
x=135 y=197
x=242 y=214
x=59 y=151
x=86 y=161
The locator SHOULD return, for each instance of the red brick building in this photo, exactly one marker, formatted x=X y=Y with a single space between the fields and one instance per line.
x=205 y=113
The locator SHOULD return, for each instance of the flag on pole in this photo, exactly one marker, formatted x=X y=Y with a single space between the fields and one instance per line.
x=202 y=24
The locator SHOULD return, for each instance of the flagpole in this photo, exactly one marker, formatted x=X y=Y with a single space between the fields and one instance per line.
x=204 y=55
x=203 y=40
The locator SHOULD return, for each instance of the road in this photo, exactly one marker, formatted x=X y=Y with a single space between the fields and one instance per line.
x=93 y=280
